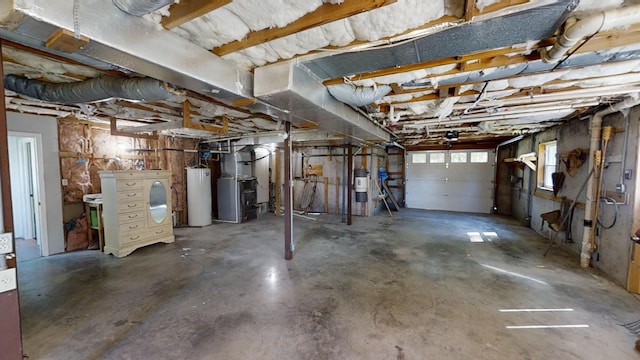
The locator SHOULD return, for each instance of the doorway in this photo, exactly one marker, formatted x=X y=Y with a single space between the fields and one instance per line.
x=27 y=195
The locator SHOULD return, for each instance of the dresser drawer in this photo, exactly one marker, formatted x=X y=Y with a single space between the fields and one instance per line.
x=132 y=228
x=131 y=195
x=131 y=217
x=131 y=206
x=130 y=184
x=159 y=231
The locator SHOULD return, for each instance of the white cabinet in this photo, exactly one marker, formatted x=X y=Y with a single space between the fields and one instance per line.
x=136 y=209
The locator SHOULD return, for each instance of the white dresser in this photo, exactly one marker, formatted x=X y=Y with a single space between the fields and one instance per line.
x=136 y=209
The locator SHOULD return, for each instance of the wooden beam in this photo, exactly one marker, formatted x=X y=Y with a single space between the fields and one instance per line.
x=324 y=14
x=471 y=59
x=116 y=132
x=469 y=9
x=66 y=41
x=187 y=123
x=187 y=10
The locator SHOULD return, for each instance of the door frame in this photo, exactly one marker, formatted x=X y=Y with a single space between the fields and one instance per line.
x=40 y=211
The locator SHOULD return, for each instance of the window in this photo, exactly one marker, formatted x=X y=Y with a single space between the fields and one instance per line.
x=418 y=158
x=547 y=161
x=436 y=158
x=458 y=157
x=479 y=157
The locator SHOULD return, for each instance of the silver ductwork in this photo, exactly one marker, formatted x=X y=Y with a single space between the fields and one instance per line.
x=306 y=101
x=141 y=7
x=356 y=95
x=127 y=42
x=96 y=89
x=140 y=46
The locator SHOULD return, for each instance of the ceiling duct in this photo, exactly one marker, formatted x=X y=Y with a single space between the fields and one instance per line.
x=306 y=101
x=127 y=43
x=358 y=96
x=141 y=7
x=96 y=89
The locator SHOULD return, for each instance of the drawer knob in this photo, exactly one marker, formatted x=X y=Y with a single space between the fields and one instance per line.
x=133 y=227
x=132 y=194
x=135 y=237
x=131 y=184
x=132 y=205
x=133 y=216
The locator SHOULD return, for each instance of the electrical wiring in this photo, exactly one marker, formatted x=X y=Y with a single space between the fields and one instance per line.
x=608 y=200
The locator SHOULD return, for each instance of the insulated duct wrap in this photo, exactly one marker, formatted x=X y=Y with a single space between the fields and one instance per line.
x=358 y=96
x=140 y=7
x=95 y=89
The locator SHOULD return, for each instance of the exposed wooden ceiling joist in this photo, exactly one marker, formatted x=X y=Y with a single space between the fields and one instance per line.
x=469 y=9
x=324 y=14
x=445 y=61
x=187 y=10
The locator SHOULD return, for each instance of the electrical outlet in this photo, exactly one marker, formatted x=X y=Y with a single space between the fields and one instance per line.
x=7 y=280
x=65 y=182
x=6 y=243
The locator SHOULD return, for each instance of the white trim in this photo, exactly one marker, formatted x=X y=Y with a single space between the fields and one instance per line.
x=41 y=212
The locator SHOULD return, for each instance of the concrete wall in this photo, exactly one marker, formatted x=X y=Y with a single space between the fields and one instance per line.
x=47 y=127
x=613 y=244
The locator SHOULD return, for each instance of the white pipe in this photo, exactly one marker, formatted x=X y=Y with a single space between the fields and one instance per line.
x=578 y=29
x=592 y=190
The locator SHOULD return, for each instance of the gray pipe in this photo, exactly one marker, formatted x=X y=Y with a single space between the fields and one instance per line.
x=140 y=7
x=95 y=89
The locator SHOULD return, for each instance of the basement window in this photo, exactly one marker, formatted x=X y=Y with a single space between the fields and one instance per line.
x=458 y=157
x=478 y=157
x=547 y=161
x=419 y=158
x=436 y=158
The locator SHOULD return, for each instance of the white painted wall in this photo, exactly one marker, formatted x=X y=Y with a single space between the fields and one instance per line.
x=47 y=127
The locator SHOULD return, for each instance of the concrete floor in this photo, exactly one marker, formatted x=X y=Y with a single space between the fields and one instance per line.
x=411 y=287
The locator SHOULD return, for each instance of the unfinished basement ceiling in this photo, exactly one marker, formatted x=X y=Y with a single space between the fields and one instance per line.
x=465 y=66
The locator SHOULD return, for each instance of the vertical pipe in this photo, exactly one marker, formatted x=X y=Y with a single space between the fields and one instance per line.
x=278 y=173
x=349 y=181
x=288 y=198
x=11 y=340
x=344 y=183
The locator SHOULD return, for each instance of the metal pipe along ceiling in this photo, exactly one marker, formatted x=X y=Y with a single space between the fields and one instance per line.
x=140 y=7
x=95 y=89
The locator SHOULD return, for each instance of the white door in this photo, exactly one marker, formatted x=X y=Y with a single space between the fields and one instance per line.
x=452 y=180
x=27 y=192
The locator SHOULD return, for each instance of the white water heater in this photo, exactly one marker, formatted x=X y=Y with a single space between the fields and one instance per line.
x=199 y=196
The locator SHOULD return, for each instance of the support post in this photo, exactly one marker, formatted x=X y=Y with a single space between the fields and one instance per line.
x=288 y=198
x=278 y=169
x=11 y=340
x=349 y=182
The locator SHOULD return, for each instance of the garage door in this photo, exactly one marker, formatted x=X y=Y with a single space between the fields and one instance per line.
x=453 y=180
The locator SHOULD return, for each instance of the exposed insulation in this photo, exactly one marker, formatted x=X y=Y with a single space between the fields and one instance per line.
x=535 y=80
x=405 y=77
x=602 y=70
x=481 y=4
x=45 y=65
x=610 y=80
x=594 y=5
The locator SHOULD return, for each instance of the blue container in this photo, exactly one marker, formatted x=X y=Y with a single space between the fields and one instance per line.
x=382 y=174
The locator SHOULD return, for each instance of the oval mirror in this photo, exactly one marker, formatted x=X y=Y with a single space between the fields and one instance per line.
x=158 y=202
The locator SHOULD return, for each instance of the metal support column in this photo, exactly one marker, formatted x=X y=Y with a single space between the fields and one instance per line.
x=349 y=181
x=288 y=198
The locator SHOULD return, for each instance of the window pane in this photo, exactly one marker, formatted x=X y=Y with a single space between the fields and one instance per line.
x=419 y=158
x=479 y=157
x=436 y=158
x=548 y=160
x=458 y=157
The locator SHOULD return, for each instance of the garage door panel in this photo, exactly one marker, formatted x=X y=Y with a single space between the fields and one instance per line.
x=466 y=187
x=449 y=188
